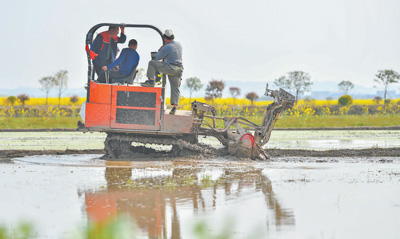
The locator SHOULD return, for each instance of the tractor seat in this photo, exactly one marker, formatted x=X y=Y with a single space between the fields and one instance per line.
x=129 y=79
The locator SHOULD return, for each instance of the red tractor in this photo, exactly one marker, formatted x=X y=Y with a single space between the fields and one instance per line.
x=129 y=113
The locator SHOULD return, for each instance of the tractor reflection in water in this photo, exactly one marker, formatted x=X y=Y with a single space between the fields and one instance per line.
x=155 y=201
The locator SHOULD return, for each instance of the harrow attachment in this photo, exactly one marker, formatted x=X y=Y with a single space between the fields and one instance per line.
x=240 y=136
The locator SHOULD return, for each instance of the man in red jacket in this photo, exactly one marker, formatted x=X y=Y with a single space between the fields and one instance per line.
x=105 y=45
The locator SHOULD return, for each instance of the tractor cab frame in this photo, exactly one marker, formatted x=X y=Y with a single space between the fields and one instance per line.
x=128 y=107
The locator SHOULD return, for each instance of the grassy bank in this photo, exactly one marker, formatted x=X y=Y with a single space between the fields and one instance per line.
x=338 y=121
x=38 y=122
x=329 y=121
x=284 y=122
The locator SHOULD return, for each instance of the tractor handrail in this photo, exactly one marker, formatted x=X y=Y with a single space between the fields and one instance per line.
x=89 y=40
x=89 y=35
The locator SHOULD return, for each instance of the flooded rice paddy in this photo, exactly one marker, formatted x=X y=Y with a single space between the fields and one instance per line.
x=286 y=197
x=346 y=199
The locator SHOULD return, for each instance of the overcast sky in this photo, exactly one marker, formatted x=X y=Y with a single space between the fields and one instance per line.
x=253 y=40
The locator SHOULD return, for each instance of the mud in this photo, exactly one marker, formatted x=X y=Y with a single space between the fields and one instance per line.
x=8 y=154
x=148 y=154
x=119 y=146
x=316 y=144
x=396 y=127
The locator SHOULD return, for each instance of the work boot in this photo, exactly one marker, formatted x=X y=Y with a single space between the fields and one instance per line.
x=173 y=111
x=148 y=83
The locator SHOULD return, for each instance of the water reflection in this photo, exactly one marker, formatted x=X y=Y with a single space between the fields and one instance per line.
x=155 y=198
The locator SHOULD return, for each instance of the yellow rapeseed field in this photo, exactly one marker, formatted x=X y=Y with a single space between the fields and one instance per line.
x=184 y=102
x=42 y=101
x=35 y=107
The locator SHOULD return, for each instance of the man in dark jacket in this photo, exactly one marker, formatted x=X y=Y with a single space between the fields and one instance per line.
x=127 y=60
x=105 y=46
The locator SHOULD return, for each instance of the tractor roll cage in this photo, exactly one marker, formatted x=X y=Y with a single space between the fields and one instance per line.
x=89 y=41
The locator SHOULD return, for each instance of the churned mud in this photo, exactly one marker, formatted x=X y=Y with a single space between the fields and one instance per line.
x=396 y=127
x=7 y=154
x=149 y=154
x=287 y=143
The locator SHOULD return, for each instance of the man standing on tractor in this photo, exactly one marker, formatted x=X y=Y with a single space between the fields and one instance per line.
x=168 y=61
x=105 y=47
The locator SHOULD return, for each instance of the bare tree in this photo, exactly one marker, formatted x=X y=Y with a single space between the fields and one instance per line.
x=23 y=98
x=298 y=81
x=301 y=82
x=329 y=98
x=193 y=84
x=283 y=82
x=61 y=78
x=252 y=96
x=235 y=92
x=214 y=89
x=377 y=99
x=74 y=99
x=386 y=77
x=47 y=84
x=345 y=86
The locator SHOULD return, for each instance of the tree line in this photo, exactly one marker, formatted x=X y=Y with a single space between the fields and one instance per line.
x=214 y=90
x=294 y=81
x=300 y=82
x=58 y=81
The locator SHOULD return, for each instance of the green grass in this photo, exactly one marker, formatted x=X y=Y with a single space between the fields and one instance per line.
x=38 y=122
x=23 y=230
x=339 y=121
x=284 y=122
x=328 y=121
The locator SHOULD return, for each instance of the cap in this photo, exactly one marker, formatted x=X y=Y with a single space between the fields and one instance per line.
x=169 y=34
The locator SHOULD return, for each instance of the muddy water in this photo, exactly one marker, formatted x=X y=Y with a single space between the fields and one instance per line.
x=51 y=140
x=335 y=139
x=285 y=198
x=309 y=140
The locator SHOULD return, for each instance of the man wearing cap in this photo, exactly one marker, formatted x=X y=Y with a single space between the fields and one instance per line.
x=168 y=61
